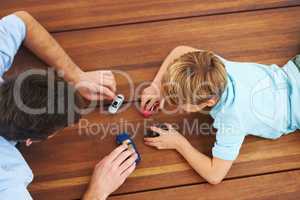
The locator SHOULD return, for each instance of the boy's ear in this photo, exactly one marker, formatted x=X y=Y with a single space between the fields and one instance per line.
x=28 y=142
x=211 y=102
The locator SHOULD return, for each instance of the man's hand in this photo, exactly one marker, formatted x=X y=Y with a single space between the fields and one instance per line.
x=168 y=139
x=96 y=85
x=111 y=172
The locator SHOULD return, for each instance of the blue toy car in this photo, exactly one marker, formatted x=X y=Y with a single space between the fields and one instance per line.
x=124 y=138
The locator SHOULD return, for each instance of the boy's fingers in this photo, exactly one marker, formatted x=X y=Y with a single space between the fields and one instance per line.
x=115 y=153
x=169 y=126
x=158 y=130
x=144 y=101
x=156 y=139
x=152 y=144
x=150 y=104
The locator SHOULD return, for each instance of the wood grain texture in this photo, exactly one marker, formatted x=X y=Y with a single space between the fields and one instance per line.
x=63 y=165
x=285 y=185
x=65 y=162
x=59 y=15
x=266 y=36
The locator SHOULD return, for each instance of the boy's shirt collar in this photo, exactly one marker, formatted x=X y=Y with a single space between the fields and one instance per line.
x=226 y=97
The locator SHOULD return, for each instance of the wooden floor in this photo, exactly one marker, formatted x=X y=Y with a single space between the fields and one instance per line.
x=134 y=36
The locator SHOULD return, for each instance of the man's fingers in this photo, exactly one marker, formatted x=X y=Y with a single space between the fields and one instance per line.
x=128 y=171
x=105 y=78
x=109 y=82
x=105 y=91
x=105 y=72
x=100 y=94
x=91 y=96
x=123 y=156
x=116 y=152
x=130 y=161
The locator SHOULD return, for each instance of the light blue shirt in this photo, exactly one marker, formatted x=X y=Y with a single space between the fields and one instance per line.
x=15 y=174
x=259 y=100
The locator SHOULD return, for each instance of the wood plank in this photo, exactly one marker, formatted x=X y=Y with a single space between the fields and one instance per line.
x=285 y=185
x=266 y=36
x=59 y=15
x=65 y=162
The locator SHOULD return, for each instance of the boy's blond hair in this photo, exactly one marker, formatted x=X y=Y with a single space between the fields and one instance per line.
x=194 y=78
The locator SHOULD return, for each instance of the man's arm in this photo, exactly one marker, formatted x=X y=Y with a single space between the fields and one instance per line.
x=43 y=45
x=97 y=85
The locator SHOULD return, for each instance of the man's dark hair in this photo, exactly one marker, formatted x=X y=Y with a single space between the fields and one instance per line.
x=18 y=125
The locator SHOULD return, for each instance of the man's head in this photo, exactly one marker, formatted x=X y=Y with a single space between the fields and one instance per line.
x=194 y=80
x=52 y=96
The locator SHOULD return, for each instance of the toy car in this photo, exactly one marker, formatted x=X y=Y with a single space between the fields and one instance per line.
x=124 y=138
x=151 y=133
x=116 y=104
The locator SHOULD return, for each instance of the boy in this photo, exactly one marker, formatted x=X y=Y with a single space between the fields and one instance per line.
x=19 y=124
x=245 y=98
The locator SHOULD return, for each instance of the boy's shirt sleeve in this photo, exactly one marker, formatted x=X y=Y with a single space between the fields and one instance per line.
x=228 y=142
x=12 y=34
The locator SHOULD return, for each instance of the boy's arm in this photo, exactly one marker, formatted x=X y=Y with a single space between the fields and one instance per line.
x=42 y=44
x=213 y=169
x=151 y=94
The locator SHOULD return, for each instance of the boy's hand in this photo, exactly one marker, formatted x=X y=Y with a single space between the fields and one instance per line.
x=168 y=139
x=96 y=85
x=150 y=97
x=111 y=172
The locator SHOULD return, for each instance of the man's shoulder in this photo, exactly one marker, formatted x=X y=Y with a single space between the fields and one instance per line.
x=16 y=175
x=9 y=153
x=12 y=160
x=12 y=34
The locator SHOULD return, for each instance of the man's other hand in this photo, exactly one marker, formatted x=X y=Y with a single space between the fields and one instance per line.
x=111 y=172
